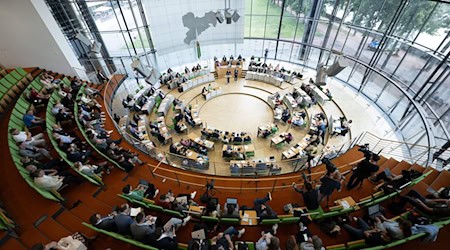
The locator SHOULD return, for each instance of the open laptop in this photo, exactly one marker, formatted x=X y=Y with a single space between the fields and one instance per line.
x=374 y=211
x=199 y=234
x=232 y=201
x=387 y=172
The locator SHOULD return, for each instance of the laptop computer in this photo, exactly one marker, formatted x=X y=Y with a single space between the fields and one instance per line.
x=387 y=172
x=374 y=211
x=199 y=234
x=232 y=201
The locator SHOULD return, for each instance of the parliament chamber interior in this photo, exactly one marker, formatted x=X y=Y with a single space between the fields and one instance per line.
x=225 y=124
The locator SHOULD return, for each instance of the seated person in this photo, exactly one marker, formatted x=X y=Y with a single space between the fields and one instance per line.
x=230 y=211
x=33 y=152
x=106 y=223
x=212 y=209
x=267 y=238
x=91 y=170
x=223 y=240
x=32 y=121
x=141 y=192
x=439 y=207
x=262 y=209
x=180 y=127
x=25 y=136
x=285 y=115
x=344 y=128
x=143 y=228
x=299 y=121
x=372 y=236
x=313 y=242
x=47 y=182
x=288 y=138
x=166 y=236
x=395 y=229
x=123 y=220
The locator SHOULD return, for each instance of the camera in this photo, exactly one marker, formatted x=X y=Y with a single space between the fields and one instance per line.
x=366 y=151
x=329 y=165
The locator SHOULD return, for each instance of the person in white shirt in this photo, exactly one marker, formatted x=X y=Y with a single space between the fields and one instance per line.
x=69 y=243
x=49 y=182
x=313 y=243
x=92 y=170
x=63 y=138
x=25 y=136
x=66 y=243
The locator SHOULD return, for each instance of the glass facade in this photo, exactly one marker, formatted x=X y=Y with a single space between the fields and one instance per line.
x=398 y=49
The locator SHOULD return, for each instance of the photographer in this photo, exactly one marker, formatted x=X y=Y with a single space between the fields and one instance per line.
x=365 y=169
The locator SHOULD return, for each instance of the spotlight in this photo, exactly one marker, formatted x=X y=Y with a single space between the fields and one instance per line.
x=83 y=39
x=235 y=16
x=228 y=16
x=95 y=47
x=219 y=17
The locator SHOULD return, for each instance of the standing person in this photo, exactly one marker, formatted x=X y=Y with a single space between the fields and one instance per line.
x=228 y=76
x=236 y=73
x=365 y=169
x=310 y=196
x=101 y=76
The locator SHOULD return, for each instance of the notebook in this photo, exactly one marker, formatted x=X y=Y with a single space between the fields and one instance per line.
x=135 y=211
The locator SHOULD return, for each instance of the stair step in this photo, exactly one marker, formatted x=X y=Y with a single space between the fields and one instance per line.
x=73 y=223
x=32 y=236
x=431 y=177
x=13 y=243
x=53 y=230
x=403 y=165
x=442 y=180
x=390 y=163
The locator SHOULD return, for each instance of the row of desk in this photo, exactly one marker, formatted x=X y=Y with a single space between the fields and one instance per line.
x=262 y=77
x=297 y=149
x=202 y=142
x=165 y=105
x=246 y=167
x=317 y=93
x=247 y=150
x=202 y=79
x=216 y=134
x=213 y=93
x=288 y=77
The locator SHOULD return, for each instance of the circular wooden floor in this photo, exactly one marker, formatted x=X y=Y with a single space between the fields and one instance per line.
x=236 y=112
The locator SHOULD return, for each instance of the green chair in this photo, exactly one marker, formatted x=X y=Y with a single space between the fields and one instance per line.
x=233 y=221
x=289 y=220
x=210 y=219
x=173 y=213
x=269 y=221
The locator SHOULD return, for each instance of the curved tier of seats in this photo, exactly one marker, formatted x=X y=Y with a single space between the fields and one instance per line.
x=50 y=121
x=11 y=86
x=372 y=199
x=15 y=121
x=83 y=132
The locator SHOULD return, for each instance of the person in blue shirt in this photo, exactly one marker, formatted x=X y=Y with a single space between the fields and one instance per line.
x=32 y=121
